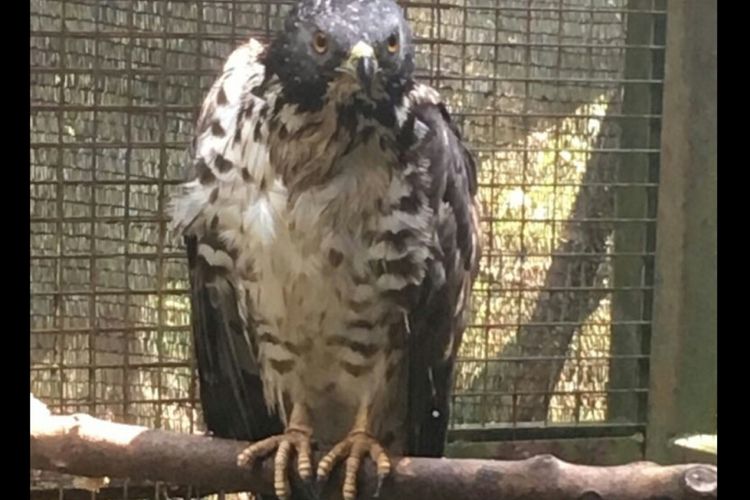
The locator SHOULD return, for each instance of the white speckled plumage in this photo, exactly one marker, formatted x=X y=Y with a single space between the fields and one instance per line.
x=336 y=236
x=288 y=242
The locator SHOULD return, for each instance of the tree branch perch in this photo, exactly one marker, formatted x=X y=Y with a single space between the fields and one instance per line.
x=86 y=446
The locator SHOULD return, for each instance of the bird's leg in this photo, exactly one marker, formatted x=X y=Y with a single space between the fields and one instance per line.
x=354 y=447
x=296 y=437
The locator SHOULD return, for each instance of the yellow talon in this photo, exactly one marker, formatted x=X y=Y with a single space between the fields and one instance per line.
x=296 y=439
x=354 y=448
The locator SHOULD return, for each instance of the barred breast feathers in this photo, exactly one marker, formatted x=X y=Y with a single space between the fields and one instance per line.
x=249 y=147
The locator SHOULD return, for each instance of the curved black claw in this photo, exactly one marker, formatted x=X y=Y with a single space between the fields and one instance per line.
x=309 y=489
x=381 y=478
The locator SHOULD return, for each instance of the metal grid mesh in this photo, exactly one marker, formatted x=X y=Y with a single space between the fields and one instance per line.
x=558 y=98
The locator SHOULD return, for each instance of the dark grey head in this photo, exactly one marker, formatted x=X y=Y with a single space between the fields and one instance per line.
x=342 y=47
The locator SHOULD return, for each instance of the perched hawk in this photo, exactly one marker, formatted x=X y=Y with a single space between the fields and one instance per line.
x=331 y=233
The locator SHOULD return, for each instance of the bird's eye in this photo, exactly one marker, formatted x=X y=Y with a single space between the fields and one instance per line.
x=393 y=43
x=320 y=42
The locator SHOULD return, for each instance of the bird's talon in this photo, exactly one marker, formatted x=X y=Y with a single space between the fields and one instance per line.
x=354 y=448
x=292 y=441
x=381 y=478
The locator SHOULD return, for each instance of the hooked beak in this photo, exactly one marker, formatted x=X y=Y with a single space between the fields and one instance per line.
x=362 y=64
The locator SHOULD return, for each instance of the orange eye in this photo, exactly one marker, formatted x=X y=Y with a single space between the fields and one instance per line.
x=320 y=42
x=393 y=44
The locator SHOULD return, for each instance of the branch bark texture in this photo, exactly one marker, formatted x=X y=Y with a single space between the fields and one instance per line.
x=85 y=446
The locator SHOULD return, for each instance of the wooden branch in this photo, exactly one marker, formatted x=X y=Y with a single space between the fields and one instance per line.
x=85 y=446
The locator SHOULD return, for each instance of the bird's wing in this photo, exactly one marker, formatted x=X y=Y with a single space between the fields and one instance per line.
x=438 y=317
x=231 y=389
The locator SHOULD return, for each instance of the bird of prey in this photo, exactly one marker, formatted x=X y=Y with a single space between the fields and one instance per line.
x=332 y=239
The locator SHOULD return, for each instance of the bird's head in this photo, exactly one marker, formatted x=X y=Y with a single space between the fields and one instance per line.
x=341 y=48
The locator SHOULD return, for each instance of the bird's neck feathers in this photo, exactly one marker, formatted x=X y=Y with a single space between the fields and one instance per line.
x=309 y=147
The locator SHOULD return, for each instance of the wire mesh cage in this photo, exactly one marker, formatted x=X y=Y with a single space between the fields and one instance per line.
x=559 y=99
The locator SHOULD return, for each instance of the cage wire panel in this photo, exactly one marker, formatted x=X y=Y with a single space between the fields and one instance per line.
x=559 y=99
